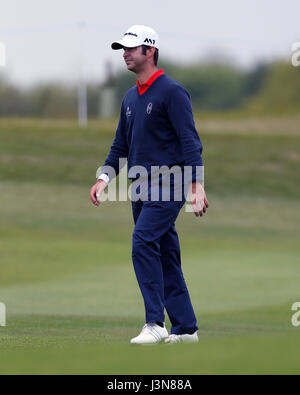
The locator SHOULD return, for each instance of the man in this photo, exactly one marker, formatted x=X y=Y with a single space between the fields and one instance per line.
x=156 y=128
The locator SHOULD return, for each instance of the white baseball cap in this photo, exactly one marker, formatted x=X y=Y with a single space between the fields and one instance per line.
x=137 y=35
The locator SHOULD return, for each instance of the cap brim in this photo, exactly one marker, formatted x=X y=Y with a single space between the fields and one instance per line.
x=117 y=45
x=127 y=42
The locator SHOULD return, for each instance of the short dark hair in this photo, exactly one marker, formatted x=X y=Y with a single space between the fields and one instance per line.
x=155 y=56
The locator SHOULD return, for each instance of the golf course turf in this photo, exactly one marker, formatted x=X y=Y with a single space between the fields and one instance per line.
x=66 y=275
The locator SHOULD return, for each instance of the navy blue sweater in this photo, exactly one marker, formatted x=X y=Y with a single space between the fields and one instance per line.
x=156 y=128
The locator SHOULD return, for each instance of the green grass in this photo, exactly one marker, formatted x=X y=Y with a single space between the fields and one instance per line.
x=66 y=275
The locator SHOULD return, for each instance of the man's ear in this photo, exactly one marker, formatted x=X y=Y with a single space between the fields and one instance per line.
x=151 y=52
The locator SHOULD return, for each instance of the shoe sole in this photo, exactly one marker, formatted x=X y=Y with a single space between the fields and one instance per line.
x=167 y=341
x=162 y=341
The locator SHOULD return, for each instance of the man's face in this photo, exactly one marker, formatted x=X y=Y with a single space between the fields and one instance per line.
x=134 y=58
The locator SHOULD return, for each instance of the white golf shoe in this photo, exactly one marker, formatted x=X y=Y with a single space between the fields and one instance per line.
x=186 y=338
x=151 y=334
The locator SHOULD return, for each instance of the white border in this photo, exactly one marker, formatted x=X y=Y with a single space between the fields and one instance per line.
x=2 y=314
x=2 y=55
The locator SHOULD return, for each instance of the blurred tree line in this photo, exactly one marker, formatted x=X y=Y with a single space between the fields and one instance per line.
x=267 y=88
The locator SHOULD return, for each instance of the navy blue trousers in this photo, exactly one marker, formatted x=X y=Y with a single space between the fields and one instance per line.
x=157 y=265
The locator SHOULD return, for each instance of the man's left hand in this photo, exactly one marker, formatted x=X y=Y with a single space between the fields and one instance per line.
x=198 y=199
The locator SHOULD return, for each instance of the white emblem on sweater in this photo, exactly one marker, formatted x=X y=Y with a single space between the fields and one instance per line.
x=128 y=112
x=149 y=108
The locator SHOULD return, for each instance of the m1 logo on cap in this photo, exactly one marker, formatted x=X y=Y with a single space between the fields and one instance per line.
x=149 y=41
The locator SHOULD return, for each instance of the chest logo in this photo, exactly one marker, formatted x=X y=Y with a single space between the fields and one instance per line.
x=128 y=112
x=149 y=108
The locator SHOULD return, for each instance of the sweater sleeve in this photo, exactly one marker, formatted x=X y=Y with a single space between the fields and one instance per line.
x=180 y=113
x=118 y=150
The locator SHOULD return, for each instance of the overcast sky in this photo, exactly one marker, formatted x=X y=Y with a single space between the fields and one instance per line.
x=42 y=37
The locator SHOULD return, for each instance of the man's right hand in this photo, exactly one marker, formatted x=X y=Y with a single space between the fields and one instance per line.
x=96 y=192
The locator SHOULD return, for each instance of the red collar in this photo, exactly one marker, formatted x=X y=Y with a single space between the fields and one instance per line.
x=143 y=87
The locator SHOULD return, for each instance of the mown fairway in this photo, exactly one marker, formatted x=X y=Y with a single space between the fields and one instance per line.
x=65 y=266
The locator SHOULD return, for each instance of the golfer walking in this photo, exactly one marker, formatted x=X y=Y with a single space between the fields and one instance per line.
x=156 y=128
